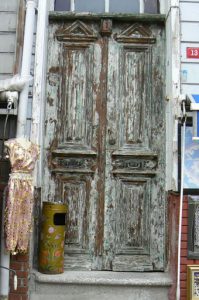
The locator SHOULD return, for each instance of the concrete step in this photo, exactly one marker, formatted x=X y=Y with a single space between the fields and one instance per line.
x=91 y=285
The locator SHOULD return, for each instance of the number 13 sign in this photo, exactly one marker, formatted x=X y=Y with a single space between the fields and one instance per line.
x=193 y=53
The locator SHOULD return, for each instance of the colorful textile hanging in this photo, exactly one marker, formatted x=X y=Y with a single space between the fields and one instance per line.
x=19 y=205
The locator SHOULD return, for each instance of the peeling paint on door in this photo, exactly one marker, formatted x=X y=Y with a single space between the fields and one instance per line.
x=105 y=141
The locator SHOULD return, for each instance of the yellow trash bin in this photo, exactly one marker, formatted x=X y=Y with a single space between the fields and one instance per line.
x=51 y=245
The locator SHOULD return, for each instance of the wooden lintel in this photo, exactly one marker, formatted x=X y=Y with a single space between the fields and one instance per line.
x=148 y=18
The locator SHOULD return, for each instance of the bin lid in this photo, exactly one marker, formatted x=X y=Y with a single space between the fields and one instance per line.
x=55 y=206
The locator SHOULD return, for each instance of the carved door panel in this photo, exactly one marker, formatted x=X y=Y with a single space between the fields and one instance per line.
x=135 y=151
x=104 y=142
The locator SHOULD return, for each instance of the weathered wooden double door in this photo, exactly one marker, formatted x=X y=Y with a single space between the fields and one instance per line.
x=105 y=141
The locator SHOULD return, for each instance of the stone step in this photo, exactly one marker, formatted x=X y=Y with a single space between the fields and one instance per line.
x=92 y=285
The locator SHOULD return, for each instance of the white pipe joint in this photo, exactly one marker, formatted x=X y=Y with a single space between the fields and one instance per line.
x=31 y=2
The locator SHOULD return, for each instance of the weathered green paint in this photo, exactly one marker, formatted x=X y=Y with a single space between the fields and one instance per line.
x=105 y=140
x=149 y=18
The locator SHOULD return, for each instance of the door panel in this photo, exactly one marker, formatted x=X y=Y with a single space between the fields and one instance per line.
x=132 y=213
x=135 y=67
x=76 y=137
x=134 y=159
x=104 y=142
x=131 y=68
x=76 y=105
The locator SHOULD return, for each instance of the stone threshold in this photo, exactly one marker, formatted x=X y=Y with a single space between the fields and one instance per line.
x=153 y=279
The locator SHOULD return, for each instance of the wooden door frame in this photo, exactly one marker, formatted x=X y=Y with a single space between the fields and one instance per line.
x=105 y=30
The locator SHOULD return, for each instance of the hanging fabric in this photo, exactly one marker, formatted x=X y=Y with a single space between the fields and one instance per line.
x=18 y=215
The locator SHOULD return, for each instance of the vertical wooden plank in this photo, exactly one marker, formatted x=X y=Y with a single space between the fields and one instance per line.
x=158 y=145
x=53 y=78
x=173 y=90
x=101 y=110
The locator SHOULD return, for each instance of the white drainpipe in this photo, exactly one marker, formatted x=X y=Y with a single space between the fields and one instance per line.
x=26 y=65
x=21 y=122
x=38 y=101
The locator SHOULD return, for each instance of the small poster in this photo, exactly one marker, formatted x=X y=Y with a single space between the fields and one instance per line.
x=191 y=164
x=193 y=282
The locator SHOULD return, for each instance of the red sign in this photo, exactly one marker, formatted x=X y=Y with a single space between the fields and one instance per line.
x=192 y=52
